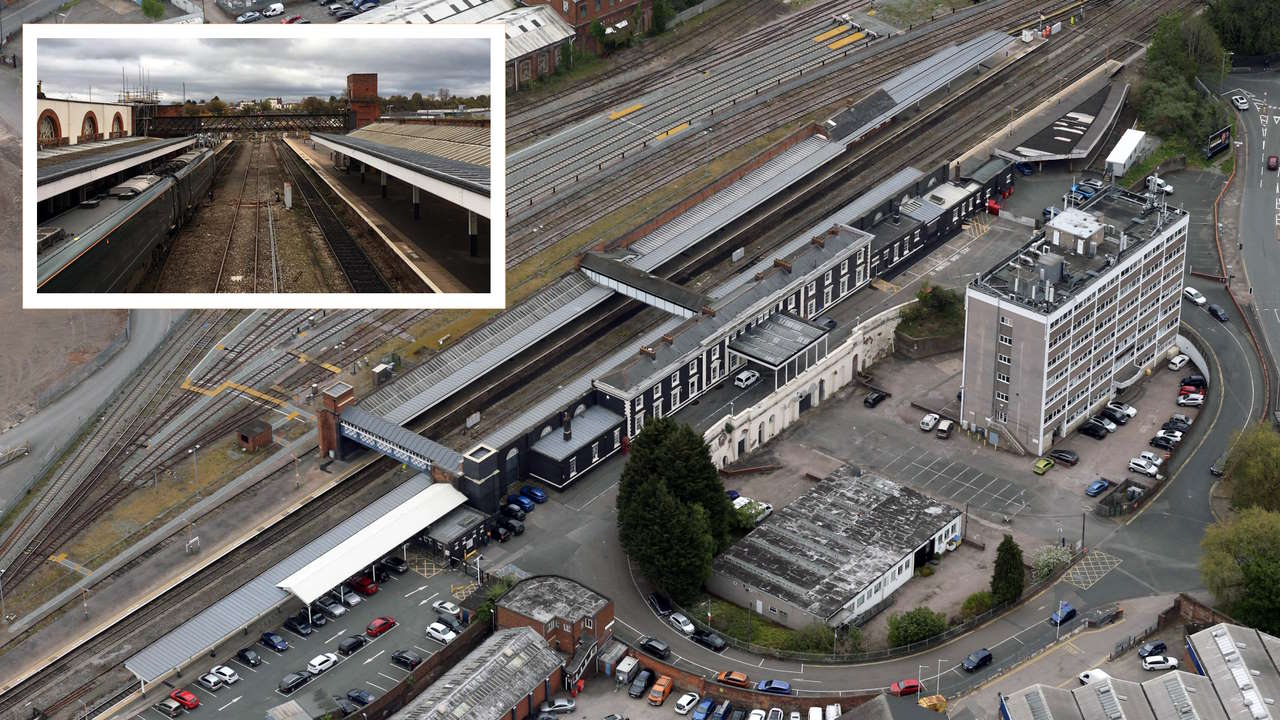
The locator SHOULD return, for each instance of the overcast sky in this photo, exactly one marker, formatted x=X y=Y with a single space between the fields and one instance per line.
x=242 y=69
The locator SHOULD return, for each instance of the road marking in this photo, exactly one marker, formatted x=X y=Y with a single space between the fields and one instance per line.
x=375 y=657
x=394 y=680
x=233 y=702
x=424 y=587
x=597 y=497
x=419 y=647
x=246 y=667
x=335 y=637
x=370 y=682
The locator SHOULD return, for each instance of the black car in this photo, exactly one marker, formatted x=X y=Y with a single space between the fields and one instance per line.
x=641 y=684
x=1195 y=381
x=1152 y=648
x=976 y=659
x=660 y=603
x=1218 y=313
x=360 y=697
x=513 y=511
x=1066 y=457
x=1093 y=430
x=1160 y=443
x=249 y=657
x=512 y=524
x=344 y=13
x=293 y=681
x=345 y=706
x=1176 y=426
x=316 y=620
x=394 y=563
x=500 y=533
x=874 y=398
x=298 y=625
x=709 y=640
x=450 y=622
x=654 y=647
x=352 y=644
x=406 y=659
x=1115 y=416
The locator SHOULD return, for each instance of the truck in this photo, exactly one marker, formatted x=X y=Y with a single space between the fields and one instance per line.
x=627 y=670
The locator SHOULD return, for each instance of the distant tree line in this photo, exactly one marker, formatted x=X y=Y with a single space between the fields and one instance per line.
x=335 y=104
x=1247 y=27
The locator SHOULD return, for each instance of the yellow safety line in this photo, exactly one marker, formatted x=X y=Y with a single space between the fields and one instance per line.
x=227 y=384
x=679 y=128
x=846 y=41
x=832 y=33
x=304 y=358
x=624 y=112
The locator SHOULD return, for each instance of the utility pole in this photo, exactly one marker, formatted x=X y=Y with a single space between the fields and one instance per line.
x=938 y=689
x=1082 y=517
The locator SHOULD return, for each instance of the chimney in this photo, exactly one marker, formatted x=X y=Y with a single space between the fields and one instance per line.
x=819 y=240
x=1015 y=285
x=784 y=264
x=896 y=217
x=1124 y=241
x=568 y=426
x=653 y=354
x=1048 y=291
x=668 y=339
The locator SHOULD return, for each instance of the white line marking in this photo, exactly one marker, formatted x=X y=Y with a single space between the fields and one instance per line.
x=392 y=679
x=424 y=587
x=233 y=702
x=335 y=637
x=370 y=682
x=375 y=657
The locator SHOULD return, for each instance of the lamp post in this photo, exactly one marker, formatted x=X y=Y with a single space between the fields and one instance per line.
x=706 y=151
x=938 y=690
x=1057 y=627
x=478 y=559
x=195 y=469
x=3 y=614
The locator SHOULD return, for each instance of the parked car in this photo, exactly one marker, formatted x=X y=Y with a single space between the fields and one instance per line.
x=709 y=640
x=1172 y=435
x=322 y=662
x=298 y=624
x=515 y=526
x=1160 y=443
x=352 y=644
x=1179 y=417
x=513 y=511
x=168 y=707
x=559 y=704
x=1064 y=456
x=746 y=378
x=380 y=625
x=1076 y=198
x=249 y=657
x=1114 y=415
x=1042 y=466
x=441 y=634
x=273 y=10
x=654 y=647
x=1092 y=676
x=521 y=502
x=640 y=684
x=500 y=533
x=686 y=703
x=1195 y=380
x=1194 y=296
x=291 y=20
x=1063 y=614
x=248 y=17
x=394 y=563
x=874 y=398
x=1241 y=102
x=346 y=596
x=406 y=659
x=826 y=322
x=1159 y=662
x=185 y=698
x=944 y=429
x=1157 y=183
x=1189 y=390
x=1093 y=430
x=775 y=687
x=1156 y=647
x=1097 y=487
x=360 y=697
x=1273 y=162
x=977 y=659
x=536 y=494
x=1094 y=183
x=1051 y=212
x=364 y=585
x=1219 y=466
x=345 y=13
x=1175 y=425
x=660 y=603
x=450 y=622
x=1106 y=422
x=660 y=690
x=345 y=706
x=1098 y=424
x=1151 y=457
x=1218 y=313
x=273 y=641
x=210 y=682
x=1192 y=400
x=910 y=686
x=329 y=607
x=1140 y=465
x=681 y=623
x=929 y=422
x=1178 y=362
x=334 y=8
x=226 y=674
x=1025 y=168
x=445 y=607
x=1083 y=190
x=291 y=682
x=733 y=677
x=702 y=710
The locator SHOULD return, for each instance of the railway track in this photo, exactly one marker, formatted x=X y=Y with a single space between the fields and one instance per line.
x=223 y=281
x=356 y=266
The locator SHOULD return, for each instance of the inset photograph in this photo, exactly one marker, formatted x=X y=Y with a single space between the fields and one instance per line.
x=185 y=167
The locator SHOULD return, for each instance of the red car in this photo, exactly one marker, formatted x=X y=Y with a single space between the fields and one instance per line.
x=1189 y=390
x=185 y=698
x=1273 y=162
x=364 y=585
x=291 y=20
x=910 y=686
x=379 y=626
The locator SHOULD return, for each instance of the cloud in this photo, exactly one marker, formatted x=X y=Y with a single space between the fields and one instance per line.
x=252 y=68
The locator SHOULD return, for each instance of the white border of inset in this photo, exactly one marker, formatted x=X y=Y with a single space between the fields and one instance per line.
x=495 y=298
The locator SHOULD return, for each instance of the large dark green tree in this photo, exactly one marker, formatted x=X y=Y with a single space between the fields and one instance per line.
x=1008 y=576
x=1253 y=467
x=1169 y=105
x=668 y=540
x=1241 y=567
x=1247 y=27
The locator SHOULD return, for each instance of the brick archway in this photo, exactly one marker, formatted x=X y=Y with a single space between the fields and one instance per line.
x=89 y=127
x=117 y=126
x=48 y=128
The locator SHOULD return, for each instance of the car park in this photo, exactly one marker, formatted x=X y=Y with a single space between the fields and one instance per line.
x=686 y=702
x=185 y=698
x=168 y=707
x=291 y=682
x=977 y=659
x=248 y=17
x=1155 y=647
x=1159 y=662
x=1178 y=362
x=360 y=697
x=746 y=378
x=521 y=502
x=910 y=686
x=734 y=678
x=1097 y=487
x=1092 y=676
x=379 y=625
x=929 y=422
x=774 y=687
x=660 y=603
x=654 y=647
x=351 y=645
x=322 y=662
x=1218 y=313
x=226 y=674
x=344 y=595
x=536 y=494
x=709 y=640
x=441 y=634
x=660 y=690
x=1064 y=456
x=395 y=564
x=273 y=641
x=1241 y=102
x=874 y=398
x=406 y=659
x=681 y=623
x=1194 y=296
x=1042 y=466
x=1191 y=400
x=1140 y=465
x=1063 y=614
x=640 y=684
x=210 y=682
x=249 y=657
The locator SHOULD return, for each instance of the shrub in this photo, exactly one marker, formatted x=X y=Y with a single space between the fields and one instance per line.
x=813 y=638
x=915 y=625
x=976 y=604
x=1047 y=559
x=925 y=571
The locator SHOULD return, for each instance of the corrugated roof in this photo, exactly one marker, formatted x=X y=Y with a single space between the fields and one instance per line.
x=65 y=161
x=443 y=457
x=465 y=175
x=779 y=338
x=464 y=143
x=434 y=11
x=530 y=29
x=257 y=597
x=591 y=424
x=371 y=542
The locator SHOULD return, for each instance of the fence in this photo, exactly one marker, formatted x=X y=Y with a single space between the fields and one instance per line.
x=888 y=653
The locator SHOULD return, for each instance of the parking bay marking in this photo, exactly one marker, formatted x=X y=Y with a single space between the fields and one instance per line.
x=335 y=637
x=233 y=702
x=394 y=680
x=411 y=592
x=375 y=657
x=380 y=688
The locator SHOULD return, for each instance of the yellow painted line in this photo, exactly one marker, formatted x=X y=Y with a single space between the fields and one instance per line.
x=832 y=33
x=624 y=112
x=304 y=358
x=871 y=12
x=59 y=557
x=846 y=41
x=677 y=129
x=291 y=416
x=228 y=385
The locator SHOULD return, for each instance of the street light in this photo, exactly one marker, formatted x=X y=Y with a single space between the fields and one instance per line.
x=3 y=614
x=1057 y=627
x=195 y=469
x=938 y=690
x=706 y=151
x=478 y=559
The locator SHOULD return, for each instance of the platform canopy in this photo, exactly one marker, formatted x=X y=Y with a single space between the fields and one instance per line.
x=372 y=542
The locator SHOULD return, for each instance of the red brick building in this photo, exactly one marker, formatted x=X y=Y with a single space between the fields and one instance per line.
x=581 y=13
x=574 y=619
x=362 y=94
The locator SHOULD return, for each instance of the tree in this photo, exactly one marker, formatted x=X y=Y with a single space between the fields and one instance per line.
x=667 y=540
x=415 y=101
x=1007 y=577
x=1247 y=27
x=915 y=625
x=1240 y=565
x=662 y=14
x=1253 y=466
x=216 y=106
x=313 y=104
x=597 y=32
x=153 y=9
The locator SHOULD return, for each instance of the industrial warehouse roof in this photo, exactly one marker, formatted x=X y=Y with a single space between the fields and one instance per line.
x=441 y=456
x=587 y=427
x=529 y=29
x=1175 y=695
x=1240 y=662
x=466 y=175
x=548 y=597
x=824 y=548
x=776 y=340
x=257 y=597
x=452 y=141
x=371 y=542
x=489 y=681
x=435 y=11
x=890 y=707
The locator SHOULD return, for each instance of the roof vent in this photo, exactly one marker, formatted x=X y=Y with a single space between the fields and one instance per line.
x=653 y=354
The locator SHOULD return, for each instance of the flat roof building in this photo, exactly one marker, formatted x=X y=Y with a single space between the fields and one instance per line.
x=1089 y=304
x=837 y=553
x=573 y=618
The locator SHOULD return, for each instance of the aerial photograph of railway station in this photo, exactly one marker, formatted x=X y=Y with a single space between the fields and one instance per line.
x=856 y=360
x=355 y=175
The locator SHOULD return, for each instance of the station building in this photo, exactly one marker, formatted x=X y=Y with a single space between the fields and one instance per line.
x=71 y=122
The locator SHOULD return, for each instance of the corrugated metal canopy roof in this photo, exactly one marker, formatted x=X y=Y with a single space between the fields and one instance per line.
x=257 y=597
x=372 y=541
x=465 y=175
x=464 y=143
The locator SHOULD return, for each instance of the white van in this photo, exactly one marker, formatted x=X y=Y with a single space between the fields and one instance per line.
x=815 y=713
x=273 y=10
x=834 y=712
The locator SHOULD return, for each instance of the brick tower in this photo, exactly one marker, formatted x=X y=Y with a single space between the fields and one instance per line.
x=332 y=400
x=362 y=94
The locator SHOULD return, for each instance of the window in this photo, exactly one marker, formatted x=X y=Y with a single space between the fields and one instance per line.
x=551 y=625
x=1002 y=415
x=1002 y=397
x=675 y=396
x=826 y=279
x=844 y=266
x=657 y=393
x=573 y=466
x=1005 y=358
x=813 y=288
x=693 y=370
x=1005 y=321
x=568 y=626
x=639 y=421
x=657 y=411
x=597 y=5
x=582 y=11
x=844 y=285
x=826 y=295
x=589 y=623
x=639 y=404
x=595 y=451
x=617 y=436
x=1001 y=377
x=675 y=378
x=1006 y=340
x=564 y=7
x=813 y=308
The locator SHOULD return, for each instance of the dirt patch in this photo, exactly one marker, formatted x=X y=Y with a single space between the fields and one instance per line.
x=957 y=575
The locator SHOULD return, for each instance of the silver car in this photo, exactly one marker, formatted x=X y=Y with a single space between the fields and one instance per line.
x=681 y=623
x=331 y=607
